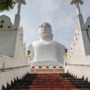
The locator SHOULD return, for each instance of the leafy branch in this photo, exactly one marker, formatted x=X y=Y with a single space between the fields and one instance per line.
x=6 y=5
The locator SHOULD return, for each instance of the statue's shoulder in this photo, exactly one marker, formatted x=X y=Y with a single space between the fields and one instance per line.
x=29 y=45
x=35 y=42
x=60 y=45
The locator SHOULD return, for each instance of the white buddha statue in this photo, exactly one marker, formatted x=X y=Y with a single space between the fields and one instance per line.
x=46 y=51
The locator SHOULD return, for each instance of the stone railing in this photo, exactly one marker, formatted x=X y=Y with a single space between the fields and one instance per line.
x=12 y=68
x=9 y=75
x=78 y=65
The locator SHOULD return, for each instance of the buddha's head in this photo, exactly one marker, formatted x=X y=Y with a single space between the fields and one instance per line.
x=45 y=30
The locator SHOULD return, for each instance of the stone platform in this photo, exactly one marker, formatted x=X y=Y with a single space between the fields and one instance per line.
x=47 y=69
x=35 y=71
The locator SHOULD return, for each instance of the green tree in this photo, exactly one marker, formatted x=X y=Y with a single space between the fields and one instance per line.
x=6 y=5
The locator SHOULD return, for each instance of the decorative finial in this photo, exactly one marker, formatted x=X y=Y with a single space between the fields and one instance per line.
x=79 y=1
x=22 y=1
x=79 y=14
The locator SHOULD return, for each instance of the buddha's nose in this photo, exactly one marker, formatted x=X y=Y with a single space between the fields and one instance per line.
x=44 y=30
x=45 y=26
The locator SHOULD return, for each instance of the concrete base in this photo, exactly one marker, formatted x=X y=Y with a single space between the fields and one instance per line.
x=36 y=71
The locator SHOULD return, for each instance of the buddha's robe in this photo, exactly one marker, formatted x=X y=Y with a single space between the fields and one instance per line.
x=46 y=53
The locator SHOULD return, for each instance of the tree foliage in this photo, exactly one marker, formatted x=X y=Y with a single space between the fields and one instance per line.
x=6 y=5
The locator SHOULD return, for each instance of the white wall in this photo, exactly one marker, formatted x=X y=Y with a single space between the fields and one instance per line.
x=7 y=36
x=20 y=58
x=8 y=76
x=78 y=63
x=11 y=44
x=77 y=51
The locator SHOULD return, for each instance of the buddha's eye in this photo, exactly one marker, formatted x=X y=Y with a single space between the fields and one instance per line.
x=48 y=26
x=40 y=26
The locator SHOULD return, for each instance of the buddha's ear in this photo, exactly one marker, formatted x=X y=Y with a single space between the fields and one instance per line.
x=38 y=36
x=52 y=36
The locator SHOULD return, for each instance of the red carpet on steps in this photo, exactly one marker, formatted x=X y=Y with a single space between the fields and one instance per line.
x=51 y=82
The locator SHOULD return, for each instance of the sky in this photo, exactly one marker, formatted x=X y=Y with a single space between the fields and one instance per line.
x=59 y=13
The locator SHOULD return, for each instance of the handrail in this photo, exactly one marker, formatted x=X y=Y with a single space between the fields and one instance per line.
x=10 y=68
x=78 y=65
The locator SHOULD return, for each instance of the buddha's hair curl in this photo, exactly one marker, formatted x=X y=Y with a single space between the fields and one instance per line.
x=45 y=23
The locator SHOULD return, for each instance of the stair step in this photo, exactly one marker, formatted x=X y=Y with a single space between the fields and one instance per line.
x=48 y=89
x=50 y=82
x=80 y=83
x=24 y=87
x=28 y=84
x=83 y=86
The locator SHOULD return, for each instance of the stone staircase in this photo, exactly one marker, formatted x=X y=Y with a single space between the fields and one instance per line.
x=79 y=83
x=49 y=82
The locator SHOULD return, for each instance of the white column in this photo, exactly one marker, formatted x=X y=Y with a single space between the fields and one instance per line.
x=19 y=7
x=79 y=16
x=17 y=16
x=78 y=8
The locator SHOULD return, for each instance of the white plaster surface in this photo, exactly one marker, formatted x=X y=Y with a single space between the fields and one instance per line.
x=8 y=76
x=19 y=58
x=77 y=51
x=78 y=63
x=11 y=44
x=7 y=36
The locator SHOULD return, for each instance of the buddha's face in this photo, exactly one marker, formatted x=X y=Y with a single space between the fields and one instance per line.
x=45 y=30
